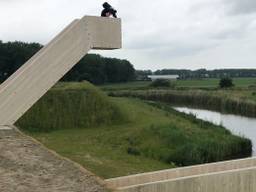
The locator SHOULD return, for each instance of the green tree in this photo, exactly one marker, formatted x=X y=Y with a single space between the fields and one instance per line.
x=92 y=67
x=226 y=82
x=13 y=55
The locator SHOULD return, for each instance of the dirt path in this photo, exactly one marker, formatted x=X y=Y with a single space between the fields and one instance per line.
x=26 y=166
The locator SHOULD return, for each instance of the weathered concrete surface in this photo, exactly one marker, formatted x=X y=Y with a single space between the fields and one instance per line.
x=5 y=128
x=180 y=172
x=26 y=166
x=243 y=180
x=29 y=83
x=105 y=32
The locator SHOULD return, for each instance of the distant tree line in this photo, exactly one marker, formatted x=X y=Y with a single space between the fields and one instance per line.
x=100 y=70
x=198 y=74
x=92 y=67
x=203 y=73
x=13 y=55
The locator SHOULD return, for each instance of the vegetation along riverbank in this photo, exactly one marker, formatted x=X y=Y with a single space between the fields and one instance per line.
x=121 y=136
x=241 y=102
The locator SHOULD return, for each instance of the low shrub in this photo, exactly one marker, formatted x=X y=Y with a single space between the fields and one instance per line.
x=226 y=82
x=160 y=83
x=133 y=151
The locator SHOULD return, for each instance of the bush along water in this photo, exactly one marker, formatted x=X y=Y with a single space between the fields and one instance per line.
x=195 y=98
x=196 y=142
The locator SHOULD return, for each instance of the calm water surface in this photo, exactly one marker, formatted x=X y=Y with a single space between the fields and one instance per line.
x=238 y=125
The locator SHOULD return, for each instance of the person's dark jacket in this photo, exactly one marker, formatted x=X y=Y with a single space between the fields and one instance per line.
x=108 y=9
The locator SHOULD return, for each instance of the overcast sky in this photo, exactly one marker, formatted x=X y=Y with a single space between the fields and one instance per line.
x=158 y=34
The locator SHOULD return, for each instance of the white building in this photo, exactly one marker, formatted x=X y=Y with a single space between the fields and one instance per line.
x=167 y=77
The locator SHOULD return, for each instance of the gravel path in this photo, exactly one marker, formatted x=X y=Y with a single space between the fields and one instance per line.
x=26 y=166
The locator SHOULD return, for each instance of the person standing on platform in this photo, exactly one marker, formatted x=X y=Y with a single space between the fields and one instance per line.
x=108 y=11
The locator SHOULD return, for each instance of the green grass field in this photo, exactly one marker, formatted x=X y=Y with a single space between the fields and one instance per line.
x=239 y=99
x=202 y=83
x=238 y=82
x=120 y=136
x=103 y=149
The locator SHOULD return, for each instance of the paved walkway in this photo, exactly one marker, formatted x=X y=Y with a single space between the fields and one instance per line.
x=26 y=166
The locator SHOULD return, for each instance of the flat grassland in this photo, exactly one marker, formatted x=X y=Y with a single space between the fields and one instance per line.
x=190 y=83
x=204 y=93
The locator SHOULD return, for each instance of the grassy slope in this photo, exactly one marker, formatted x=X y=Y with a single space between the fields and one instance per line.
x=103 y=150
x=69 y=106
x=120 y=136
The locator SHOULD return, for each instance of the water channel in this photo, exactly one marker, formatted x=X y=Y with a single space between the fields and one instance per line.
x=238 y=125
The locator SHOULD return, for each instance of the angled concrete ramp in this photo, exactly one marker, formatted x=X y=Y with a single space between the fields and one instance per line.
x=30 y=82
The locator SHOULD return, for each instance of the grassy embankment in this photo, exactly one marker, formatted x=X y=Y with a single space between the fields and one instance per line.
x=204 y=94
x=121 y=136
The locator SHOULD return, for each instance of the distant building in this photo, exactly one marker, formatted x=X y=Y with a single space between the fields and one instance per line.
x=167 y=77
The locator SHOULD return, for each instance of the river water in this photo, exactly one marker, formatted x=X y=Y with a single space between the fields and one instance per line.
x=238 y=125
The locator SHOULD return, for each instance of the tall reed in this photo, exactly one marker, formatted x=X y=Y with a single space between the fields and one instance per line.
x=196 y=98
x=71 y=107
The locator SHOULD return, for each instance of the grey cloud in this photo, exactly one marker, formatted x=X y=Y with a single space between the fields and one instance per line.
x=238 y=7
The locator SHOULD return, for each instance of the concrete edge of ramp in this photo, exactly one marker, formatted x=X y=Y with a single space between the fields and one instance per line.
x=77 y=165
x=4 y=128
x=240 y=180
x=181 y=172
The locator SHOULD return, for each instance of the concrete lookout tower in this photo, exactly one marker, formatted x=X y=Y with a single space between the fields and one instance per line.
x=31 y=81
